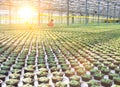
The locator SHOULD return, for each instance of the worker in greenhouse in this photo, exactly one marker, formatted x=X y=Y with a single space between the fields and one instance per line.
x=51 y=24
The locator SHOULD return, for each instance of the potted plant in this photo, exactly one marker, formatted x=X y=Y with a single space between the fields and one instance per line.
x=93 y=71
x=31 y=75
x=28 y=81
x=43 y=69
x=4 y=72
x=116 y=80
x=56 y=79
x=27 y=85
x=117 y=63
x=106 y=63
x=111 y=66
x=98 y=76
x=17 y=71
x=64 y=68
x=5 y=68
x=106 y=82
x=43 y=80
x=92 y=83
x=13 y=82
x=80 y=72
x=75 y=77
x=41 y=66
x=88 y=67
x=2 y=77
x=86 y=77
x=29 y=69
x=17 y=67
x=69 y=73
x=54 y=69
x=41 y=73
x=14 y=76
x=44 y=85
x=60 y=84
x=111 y=75
x=57 y=73
x=74 y=83
x=96 y=63
x=74 y=64
x=105 y=70
x=117 y=70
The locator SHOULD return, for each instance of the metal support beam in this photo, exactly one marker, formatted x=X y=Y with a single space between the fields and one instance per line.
x=38 y=12
x=86 y=12
x=10 y=12
x=67 y=12
x=107 y=11
x=98 y=12
x=119 y=14
x=114 y=12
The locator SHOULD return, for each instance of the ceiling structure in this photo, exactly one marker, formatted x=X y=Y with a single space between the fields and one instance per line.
x=76 y=7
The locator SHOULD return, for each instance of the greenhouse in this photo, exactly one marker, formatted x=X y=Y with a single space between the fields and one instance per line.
x=59 y=43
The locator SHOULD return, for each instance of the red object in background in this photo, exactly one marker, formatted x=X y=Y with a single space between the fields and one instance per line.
x=51 y=24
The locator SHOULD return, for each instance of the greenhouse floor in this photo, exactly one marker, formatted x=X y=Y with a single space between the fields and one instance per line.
x=64 y=57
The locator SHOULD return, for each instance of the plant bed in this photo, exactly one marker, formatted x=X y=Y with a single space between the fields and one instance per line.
x=116 y=80
x=60 y=84
x=69 y=73
x=98 y=76
x=43 y=80
x=56 y=79
x=13 y=82
x=106 y=82
x=74 y=83
x=75 y=77
x=86 y=77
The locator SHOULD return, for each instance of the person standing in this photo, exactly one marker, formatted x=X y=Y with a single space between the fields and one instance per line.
x=51 y=24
